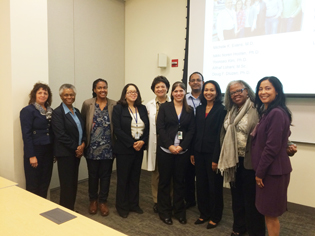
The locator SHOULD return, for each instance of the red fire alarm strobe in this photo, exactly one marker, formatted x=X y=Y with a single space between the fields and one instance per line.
x=174 y=62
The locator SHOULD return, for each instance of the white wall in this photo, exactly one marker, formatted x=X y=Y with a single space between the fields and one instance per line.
x=24 y=61
x=152 y=27
x=86 y=42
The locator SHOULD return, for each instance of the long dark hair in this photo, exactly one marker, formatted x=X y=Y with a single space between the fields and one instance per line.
x=95 y=84
x=36 y=87
x=122 y=99
x=218 y=98
x=188 y=108
x=279 y=101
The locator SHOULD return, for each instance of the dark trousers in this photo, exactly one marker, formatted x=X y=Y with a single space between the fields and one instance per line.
x=246 y=217
x=99 y=179
x=68 y=170
x=128 y=178
x=209 y=188
x=172 y=167
x=190 y=196
x=38 y=179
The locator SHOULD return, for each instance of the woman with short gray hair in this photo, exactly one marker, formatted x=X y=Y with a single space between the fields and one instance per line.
x=68 y=127
x=235 y=160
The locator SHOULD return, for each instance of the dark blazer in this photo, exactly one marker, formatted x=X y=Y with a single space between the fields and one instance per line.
x=87 y=112
x=167 y=126
x=121 y=120
x=66 y=132
x=269 y=144
x=207 y=139
x=36 y=130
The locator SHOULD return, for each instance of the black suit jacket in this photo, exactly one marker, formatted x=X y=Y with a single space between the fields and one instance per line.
x=167 y=126
x=207 y=139
x=66 y=132
x=36 y=130
x=121 y=120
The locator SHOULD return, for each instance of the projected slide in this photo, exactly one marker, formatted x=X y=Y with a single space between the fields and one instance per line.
x=251 y=39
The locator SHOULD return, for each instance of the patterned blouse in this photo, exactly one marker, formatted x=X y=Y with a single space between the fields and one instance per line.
x=100 y=146
x=241 y=18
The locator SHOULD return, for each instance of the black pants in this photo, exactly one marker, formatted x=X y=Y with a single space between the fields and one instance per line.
x=68 y=170
x=190 y=196
x=99 y=179
x=209 y=188
x=38 y=179
x=246 y=217
x=171 y=167
x=128 y=178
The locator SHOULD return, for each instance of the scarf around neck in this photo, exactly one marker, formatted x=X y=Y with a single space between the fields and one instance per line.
x=229 y=151
x=42 y=111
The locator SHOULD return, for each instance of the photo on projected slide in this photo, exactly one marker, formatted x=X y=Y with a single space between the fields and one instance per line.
x=247 y=18
x=251 y=39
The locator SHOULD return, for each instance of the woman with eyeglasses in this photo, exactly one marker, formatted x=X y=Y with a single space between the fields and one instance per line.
x=175 y=127
x=235 y=159
x=131 y=128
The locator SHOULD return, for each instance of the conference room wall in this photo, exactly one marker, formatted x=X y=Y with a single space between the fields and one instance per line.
x=23 y=62
x=153 y=27
x=86 y=42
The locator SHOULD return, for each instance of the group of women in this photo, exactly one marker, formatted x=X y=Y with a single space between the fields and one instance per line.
x=244 y=142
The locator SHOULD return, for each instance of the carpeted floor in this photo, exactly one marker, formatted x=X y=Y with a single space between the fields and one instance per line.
x=295 y=222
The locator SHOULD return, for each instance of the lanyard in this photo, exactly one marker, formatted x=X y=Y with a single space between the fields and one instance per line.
x=179 y=120
x=135 y=117
x=193 y=102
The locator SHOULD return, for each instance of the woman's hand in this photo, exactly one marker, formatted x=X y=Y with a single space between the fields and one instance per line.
x=138 y=145
x=214 y=166
x=291 y=150
x=192 y=159
x=80 y=150
x=33 y=162
x=179 y=149
x=259 y=182
x=173 y=149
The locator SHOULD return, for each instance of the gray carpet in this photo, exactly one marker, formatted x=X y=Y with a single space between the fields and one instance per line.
x=298 y=221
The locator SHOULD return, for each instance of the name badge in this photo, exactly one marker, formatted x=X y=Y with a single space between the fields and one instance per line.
x=137 y=136
x=180 y=135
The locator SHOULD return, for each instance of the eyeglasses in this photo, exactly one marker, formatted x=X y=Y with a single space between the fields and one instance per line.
x=195 y=80
x=237 y=92
x=132 y=92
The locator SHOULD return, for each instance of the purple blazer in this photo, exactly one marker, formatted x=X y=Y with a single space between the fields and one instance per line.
x=269 y=144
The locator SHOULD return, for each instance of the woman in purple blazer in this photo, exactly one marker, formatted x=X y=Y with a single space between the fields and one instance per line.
x=269 y=151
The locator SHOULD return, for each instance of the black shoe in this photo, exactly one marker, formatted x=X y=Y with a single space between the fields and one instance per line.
x=167 y=221
x=190 y=204
x=237 y=234
x=137 y=210
x=123 y=215
x=198 y=221
x=211 y=226
x=182 y=220
x=155 y=208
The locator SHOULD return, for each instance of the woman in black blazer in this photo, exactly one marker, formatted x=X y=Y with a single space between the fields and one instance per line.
x=68 y=127
x=131 y=128
x=209 y=119
x=38 y=140
x=175 y=128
